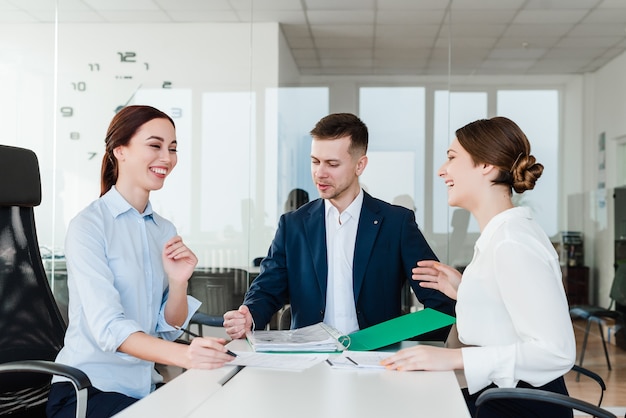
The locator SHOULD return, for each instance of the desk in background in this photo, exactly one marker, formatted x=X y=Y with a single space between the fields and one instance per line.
x=316 y=392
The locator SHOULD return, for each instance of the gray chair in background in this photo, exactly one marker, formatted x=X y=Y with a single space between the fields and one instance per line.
x=219 y=291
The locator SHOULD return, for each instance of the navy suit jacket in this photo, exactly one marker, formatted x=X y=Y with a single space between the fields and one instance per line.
x=388 y=246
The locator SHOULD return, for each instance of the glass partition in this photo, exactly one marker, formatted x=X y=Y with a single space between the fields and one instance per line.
x=243 y=118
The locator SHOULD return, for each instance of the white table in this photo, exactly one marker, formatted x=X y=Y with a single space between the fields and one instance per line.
x=316 y=392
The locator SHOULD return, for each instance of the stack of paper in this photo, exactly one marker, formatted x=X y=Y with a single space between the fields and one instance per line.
x=314 y=338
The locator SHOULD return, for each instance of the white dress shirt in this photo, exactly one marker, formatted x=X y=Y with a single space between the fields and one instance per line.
x=341 y=229
x=117 y=286
x=512 y=305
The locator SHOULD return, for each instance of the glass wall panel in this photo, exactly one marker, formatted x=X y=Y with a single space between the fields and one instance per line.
x=395 y=117
x=455 y=225
x=537 y=114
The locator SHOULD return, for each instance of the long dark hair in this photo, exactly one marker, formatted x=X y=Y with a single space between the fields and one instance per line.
x=121 y=129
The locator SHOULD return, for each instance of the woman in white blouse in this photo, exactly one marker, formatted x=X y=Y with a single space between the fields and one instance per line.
x=512 y=313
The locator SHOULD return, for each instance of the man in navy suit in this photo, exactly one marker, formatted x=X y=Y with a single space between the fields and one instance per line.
x=341 y=259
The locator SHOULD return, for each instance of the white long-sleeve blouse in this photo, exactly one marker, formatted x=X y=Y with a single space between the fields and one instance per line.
x=511 y=306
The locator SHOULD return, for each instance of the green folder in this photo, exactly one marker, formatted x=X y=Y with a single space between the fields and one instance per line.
x=396 y=330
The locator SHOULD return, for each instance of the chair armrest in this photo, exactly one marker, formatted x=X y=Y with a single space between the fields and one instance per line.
x=541 y=396
x=578 y=369
x=79 y=380
x=209 y=320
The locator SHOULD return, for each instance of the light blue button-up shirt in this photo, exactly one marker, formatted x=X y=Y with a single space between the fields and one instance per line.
x=117 y=286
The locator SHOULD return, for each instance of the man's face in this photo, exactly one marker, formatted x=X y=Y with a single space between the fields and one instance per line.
x=335 y=171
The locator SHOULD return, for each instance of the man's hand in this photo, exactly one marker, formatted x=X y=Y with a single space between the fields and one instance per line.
x=236 y=323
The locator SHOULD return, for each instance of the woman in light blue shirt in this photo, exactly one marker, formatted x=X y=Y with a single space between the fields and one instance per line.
x=127 y=276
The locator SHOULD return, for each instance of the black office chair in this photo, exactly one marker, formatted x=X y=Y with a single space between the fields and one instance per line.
x=599 y=314
x=502 y=395
x=32 y=328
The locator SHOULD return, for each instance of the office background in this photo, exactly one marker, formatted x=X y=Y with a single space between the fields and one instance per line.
x=246 y=80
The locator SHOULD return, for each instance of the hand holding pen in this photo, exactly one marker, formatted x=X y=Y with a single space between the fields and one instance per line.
x=193 y=334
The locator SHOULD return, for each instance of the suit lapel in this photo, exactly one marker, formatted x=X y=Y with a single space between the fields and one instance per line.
x=315 y=230
x=370 y=222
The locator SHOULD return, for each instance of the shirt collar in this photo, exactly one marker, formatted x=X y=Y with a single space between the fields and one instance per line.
x=354 y=209
x=118 y=205
x=494 y=224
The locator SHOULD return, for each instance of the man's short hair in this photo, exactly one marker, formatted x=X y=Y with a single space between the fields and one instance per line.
x=339 y=125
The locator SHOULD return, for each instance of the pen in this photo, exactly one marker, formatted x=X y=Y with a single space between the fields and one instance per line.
x=193 y=334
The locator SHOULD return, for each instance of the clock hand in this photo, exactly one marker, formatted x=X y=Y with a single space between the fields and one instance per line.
x=120 y=107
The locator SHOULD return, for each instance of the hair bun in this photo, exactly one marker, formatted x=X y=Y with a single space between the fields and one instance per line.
x=526 y=170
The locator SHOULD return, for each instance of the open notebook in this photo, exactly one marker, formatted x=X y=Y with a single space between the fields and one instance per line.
x=323 y=338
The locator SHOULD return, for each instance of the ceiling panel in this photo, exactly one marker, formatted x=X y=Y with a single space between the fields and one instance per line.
x=390 y=36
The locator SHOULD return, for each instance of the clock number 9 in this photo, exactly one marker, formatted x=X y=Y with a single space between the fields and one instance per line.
x=67 y=111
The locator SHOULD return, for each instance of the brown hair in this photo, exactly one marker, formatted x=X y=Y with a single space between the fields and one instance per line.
x=500 y=142
x=121 y=129
x=338 y=125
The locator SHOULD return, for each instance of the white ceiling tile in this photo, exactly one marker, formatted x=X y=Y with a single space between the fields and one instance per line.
x=340 y=17
x=612 y=4
x=506 y=64
x=549 y=17
x=394 y=43
x=402 y=54
x=579 y=53
x=607 y=16
x=411 y=17
x=347 y=62
x=486 y=4
x=134 y=16
x=340 y=5
x=300 y=42
x=407 y=31
x=196 y=5
x=562 y=4
x=344 y=42
x=464 y=30
x=412 y=5
x=304 y=53
x=290 y=30
x=588 y=42
x=282 y=5
x=121 y=5
x=598 y=29
x=538 y=30
x=16 y=17
x=34 y=4
x=288 y=17
x=79 y=17
x=482 y=17
x=340 y=31
x=517 y=53
x=345 y=53
x=6 y=6
x=219 y=16
x=535 y=42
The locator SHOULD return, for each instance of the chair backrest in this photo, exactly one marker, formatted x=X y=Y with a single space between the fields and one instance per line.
x=31 y=326
x=216 y=291
x=618 y=288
